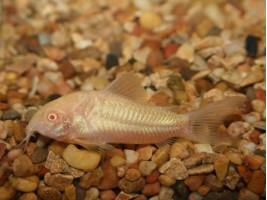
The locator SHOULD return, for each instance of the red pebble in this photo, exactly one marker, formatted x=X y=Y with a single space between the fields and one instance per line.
x=153 y=177
x=170 y=49
x=260 y=94
x=137 y=31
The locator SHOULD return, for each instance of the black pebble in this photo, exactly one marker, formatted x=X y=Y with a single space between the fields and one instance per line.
x=53 y=97
x=147 y=71
x=11 y=115
x=251 y=45
x=181 y=192
x=111 y=61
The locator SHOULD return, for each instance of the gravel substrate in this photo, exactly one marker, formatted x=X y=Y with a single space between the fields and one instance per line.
x=188 y=53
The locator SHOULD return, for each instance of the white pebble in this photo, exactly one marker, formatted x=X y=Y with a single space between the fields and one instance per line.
x=204 y=148
x=131 y=156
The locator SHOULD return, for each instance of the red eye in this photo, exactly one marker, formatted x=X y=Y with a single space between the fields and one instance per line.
x=52 y=116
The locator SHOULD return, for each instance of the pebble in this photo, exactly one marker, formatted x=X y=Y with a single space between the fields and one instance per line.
x=244 y=172
x=193 y=160
x=39 y=155
x=254 y=162
x=55 y=163
x=251 y=45
x=131 y=156
x=153 y=177
x=180 y=190
x=117 y=161
x=203 y=190
x=70 y=192
x=257 y=182
x=2 y=149
x=91 y=178
x=155 y=58
x=252 y=117
x=166 y=180
x=81 y=158
x=11 y=115
x=236 y=129
x=92 y=194
x=7 y=192
x=27 y=184
x=252 y=77
x=221 y=167
x=57 y=148
x=174 y=169
x=246 y=194
x=146 y=167
x=201 y=169
x=166 y=193
x=179 y=151
x=234 y=157
x=186 y=52
x=203 y=148
x=107 y=195
x=23 y=166
x=131 y=186
x=132 y=174
x=48 y=193
x=150 y=20
x=3 y=130
x=28 y=196
x=231 y=180
x=124 y=196
x=145 y=153
x=59 y=181
x=210 y=41
x=170 y=49
x=109 y=176
x=161 y=155
x=151 y=189
x=194 y=182
x=213 y=182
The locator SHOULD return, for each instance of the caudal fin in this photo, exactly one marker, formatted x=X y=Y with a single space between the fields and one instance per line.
x=205 y=121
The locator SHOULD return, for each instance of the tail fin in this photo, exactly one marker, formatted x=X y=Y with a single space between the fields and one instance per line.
x=205 y=121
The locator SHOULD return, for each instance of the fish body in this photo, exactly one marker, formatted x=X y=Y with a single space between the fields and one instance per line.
x=120 y=114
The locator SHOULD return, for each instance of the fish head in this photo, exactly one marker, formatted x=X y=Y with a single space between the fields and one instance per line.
x=52 y=120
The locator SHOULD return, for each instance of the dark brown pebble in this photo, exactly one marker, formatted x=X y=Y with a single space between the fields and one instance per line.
x=5 y=171
x=49 y=193
x=180 y=191
x=11 y=115
x=67 y=69
x=2 y=149
x=111 y=61
x=175 y=83
x=203 y=85
x=39 y=155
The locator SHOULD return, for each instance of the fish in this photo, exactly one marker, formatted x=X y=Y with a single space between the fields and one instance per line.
x=120 y=114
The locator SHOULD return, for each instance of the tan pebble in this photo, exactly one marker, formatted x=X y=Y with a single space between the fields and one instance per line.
x=234 y=157
x=70 y=192
x=210 y=41
x=221 y=167
x=179 y=151
x=122 y=196
x=117 y=161
x=3 y=130
x=166 y=193
x=151 y=189
x=131 y=186
x=132 y=174
x=81 y=158
x=23 y=166
x=59 y=181
x=231 y=180
x=193 y=160
x=145 y=153
x=161 y=155
x=92 y=193
x=107 y=195
x=258 y=105
x=27 y=184
x=146 y=167
x=252 y=77
x=48 y=193
x=203 y=148
x=28 y=196
x=14 y=153
x=57 y=147
x=150 y=20
x=7 y=192
x=186 y=52
x=55 y=163
x=222 y=86
x=19 y=132
x=203 y=190
x=201 y=169
x=174 y=169
x=166 y=180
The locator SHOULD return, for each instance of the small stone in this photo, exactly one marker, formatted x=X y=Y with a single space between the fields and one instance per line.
x=186 y=52
x=27 y=184
x=131 y=156
x=210 y=41
x=2 y=149
x=179 y=151
x=11 y=115
x=194 y=182
x=236 y=129
x=117 y=161
x=153 y=177
x=231 y=179
x=203 y=148
x=110 y=178
x=28 y=196
x=54 y=53
x=201 y=169
x=146 y=167
x=124 y=196
x=166 y=180
x=150 y=20
x=57 y=148
x=221 y=167
x=203 y=85
x=132 y=174
x=19 y=132
x=7 y=192
x=91 y=178
x=151 y=189
x=170 y=49
x=180 y=190
x=70 y=192
x=203 y=190
x=246 y=194
x=58 y=181
x=174 y=169
x=23 y=166
x=161 y=155
x=213 y=182
x=244 y=172
x=208 y=52
x=252 y=117
x=251 y=45
x=193 y=160
x=92 y=194
x=260 y=94
x=39 y=155
x=234 y=157
x=131 y=186
x=252 y=77
x=145 y=153
x=67 y=69
x=254 y=162
x=257 y=182
x=155 y=58
x=107 y=195
x=166 y=193
x=3 y=130
x=49 y=193
x=81 y=158
x=111 y=61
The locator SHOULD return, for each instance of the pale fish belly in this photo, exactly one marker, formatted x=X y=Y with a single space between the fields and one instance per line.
x=127 y=122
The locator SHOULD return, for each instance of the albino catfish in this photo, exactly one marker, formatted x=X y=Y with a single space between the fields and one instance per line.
x=120 y=114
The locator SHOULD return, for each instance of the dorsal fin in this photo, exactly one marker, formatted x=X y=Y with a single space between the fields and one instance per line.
x=128 y=86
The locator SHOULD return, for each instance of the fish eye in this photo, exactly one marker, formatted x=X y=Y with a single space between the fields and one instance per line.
x=52 y=116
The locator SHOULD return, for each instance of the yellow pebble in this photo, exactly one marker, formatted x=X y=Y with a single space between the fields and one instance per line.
x=150 y=20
